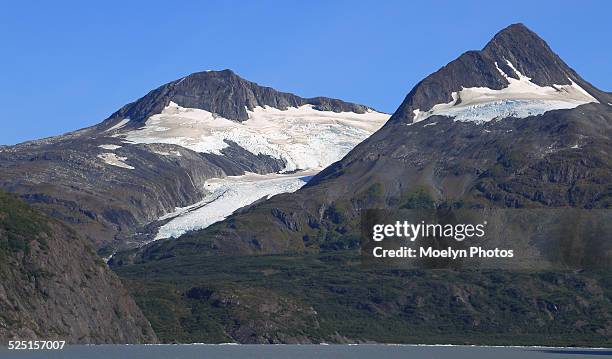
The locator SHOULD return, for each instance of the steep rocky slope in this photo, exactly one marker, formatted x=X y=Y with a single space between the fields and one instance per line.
x=54 y=287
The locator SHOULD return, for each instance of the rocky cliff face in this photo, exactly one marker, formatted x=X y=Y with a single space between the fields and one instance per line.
x=54 y=287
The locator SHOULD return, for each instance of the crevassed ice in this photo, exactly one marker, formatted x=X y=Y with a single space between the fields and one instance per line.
x=225 y=195
x=303 y=137
x=521 y=98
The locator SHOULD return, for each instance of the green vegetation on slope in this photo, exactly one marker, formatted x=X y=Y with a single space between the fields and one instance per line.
x=18 y=225
x=331 y=297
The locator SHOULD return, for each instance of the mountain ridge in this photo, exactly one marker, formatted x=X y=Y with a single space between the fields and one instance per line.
x=223 y=93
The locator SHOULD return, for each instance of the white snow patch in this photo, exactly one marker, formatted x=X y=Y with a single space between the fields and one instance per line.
x=110 y=147
x=171 y=153
x=118 y=125
x=227 y=195
x=417 y=114
x=114 y=160
x=303 y=137
x=521 y=98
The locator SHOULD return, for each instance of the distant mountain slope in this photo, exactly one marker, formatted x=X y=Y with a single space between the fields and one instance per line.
x=545 y=144
x=54 y=287
x=111 y=180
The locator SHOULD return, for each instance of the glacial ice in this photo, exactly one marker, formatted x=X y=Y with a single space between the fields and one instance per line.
x=225 y=196
x=303 y=137
x=521 y=98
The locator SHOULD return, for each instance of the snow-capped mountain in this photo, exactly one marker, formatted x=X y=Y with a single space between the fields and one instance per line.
x=158 y=155
x=515 y=75
x=210 y=111
x=220 y=92
x=508 y=126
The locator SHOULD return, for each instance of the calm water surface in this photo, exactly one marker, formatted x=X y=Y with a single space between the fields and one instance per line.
x=305 y=352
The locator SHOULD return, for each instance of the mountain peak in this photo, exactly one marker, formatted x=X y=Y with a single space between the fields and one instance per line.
x=515 y=64
x=223 y=93
x=514 y=36
x=529 y=54
x=225 y=73
x=515 y=30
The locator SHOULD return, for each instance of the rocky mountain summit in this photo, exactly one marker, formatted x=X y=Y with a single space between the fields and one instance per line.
x=514 y=55
x=223 y=93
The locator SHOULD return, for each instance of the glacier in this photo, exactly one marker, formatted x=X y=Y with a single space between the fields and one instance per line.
x=304 y=138
x=225 y=195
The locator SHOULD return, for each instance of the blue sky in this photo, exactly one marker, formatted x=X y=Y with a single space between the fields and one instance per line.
x=67 y=65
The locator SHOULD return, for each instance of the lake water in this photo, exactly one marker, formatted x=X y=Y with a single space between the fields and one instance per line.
x=306 y=352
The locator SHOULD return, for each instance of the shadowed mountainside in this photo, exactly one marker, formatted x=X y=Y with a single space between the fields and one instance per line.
x=54 y=287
